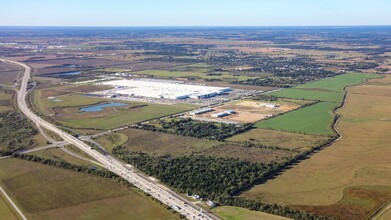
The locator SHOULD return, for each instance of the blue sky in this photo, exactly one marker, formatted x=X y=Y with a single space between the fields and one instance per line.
x=194 y=12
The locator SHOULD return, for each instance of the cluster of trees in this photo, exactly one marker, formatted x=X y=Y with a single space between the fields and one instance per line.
x=15 y=132
x=268 y=208
x=198 y=129
x=268 y=98
x=206 y=176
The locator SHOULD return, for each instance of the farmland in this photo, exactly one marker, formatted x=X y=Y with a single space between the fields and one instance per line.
x=360 y=158
x=317 y=118
x=8 y=73
x=52 y=193
x=314 y=119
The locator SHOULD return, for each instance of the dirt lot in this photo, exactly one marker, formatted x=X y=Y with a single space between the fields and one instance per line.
x=360 y=158
x=247 y=111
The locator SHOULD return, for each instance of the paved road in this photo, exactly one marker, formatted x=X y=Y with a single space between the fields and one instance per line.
x=157 y=191
x=13 y=204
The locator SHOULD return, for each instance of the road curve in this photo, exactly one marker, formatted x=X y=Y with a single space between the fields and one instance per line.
x=163 y=194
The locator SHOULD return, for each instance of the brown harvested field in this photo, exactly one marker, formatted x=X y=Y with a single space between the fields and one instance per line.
x=248 y=111
x=360 y=158
x=157 y=143
x=46 y=192
x=8 y=72
x=357 y=203
x=280 y=139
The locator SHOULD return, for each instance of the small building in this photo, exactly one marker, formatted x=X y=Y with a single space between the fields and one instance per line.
x=196 y=197
x=210 y=203
x=270 y=105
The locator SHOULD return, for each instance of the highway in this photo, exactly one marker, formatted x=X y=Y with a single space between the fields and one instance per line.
x=163 y=194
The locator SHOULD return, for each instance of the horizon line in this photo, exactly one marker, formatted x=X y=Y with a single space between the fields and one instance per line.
x=197 y=26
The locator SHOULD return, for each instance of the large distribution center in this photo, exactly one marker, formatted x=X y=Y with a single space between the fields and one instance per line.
x=165 y=89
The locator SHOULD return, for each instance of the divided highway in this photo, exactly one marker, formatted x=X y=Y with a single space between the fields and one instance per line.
x=157 y=191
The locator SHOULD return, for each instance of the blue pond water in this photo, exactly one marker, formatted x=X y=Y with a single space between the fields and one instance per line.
x=98 y=108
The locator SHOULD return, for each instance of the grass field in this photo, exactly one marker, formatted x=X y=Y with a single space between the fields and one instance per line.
x=361 y=201
x=314 y=119
x=317 y=118
x=236 y=213
x=279 y=138
x=5 y=101
x=58 y=154
x=157 y=143
x=6 y=210
x=66 y=110
x=201 y=73
x=45 y=192
x=360 y=158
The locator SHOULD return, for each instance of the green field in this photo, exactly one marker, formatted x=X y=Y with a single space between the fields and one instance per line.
x=314 y=119
x=317 y=118
x=58 y=154
x=45 y=192
x=122 y=118
x=236 y=213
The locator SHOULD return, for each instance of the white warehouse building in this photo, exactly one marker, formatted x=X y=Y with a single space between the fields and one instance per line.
x=162 y=89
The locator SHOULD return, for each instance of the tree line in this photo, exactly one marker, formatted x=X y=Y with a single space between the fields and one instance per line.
x=198 y=129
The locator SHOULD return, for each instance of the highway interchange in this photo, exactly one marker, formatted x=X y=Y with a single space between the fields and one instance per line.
x=158 y=191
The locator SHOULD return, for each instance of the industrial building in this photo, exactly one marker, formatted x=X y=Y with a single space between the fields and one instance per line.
x=165 y=89
x=200 y=111
x=223 y=114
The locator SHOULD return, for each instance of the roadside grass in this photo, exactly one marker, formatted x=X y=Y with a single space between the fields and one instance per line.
x=6 y=209
x=288 y=140
x=360 y=158
x=58 y=154
x=45 y=192
x=317 y=118
x=236 y=213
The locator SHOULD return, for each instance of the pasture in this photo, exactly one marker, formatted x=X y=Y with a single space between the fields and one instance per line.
x=45 y=192
x=360 y=158
x=158 y=144
x=288 y=140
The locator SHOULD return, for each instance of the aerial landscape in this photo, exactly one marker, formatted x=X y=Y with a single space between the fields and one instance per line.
x=195 y=110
